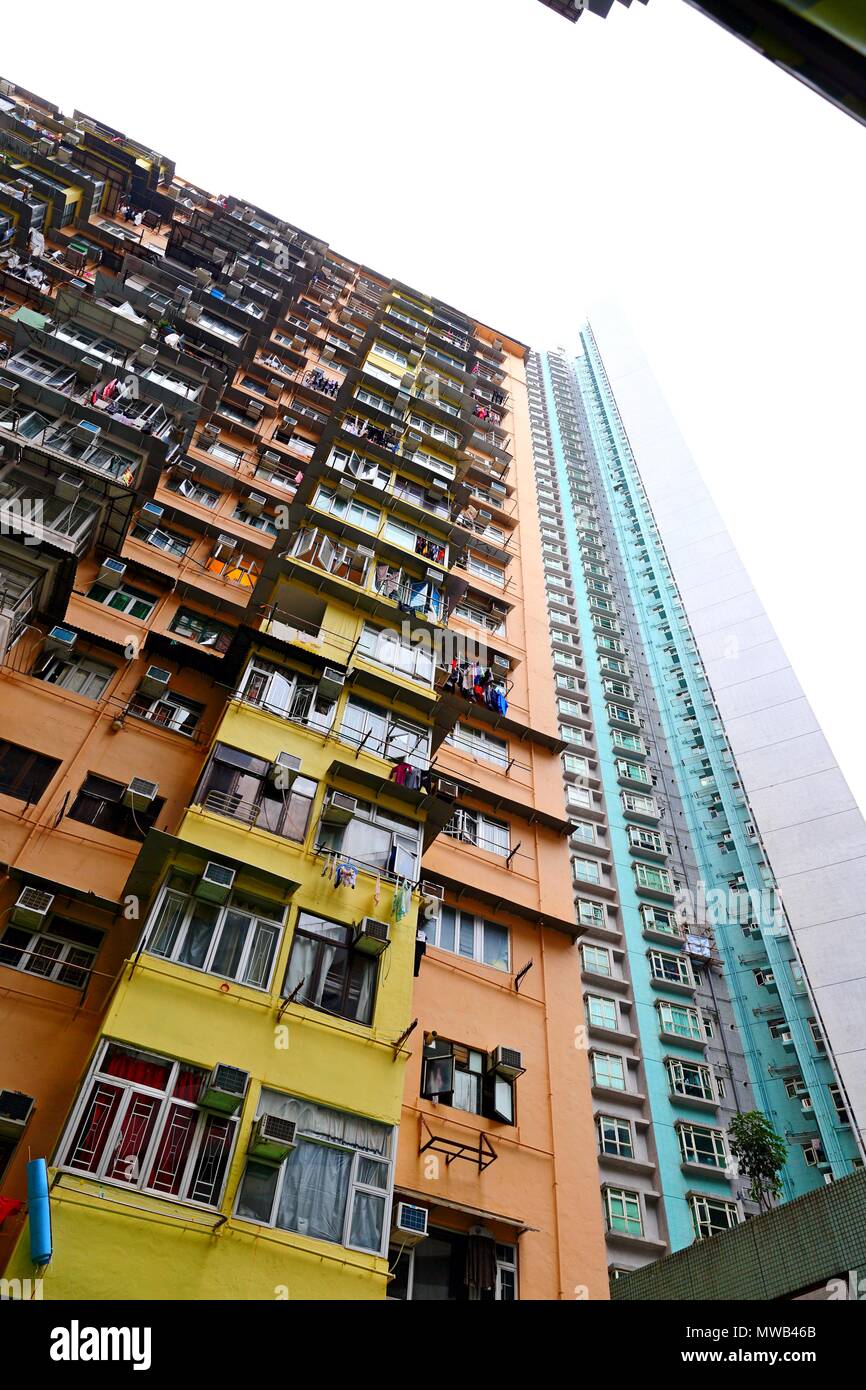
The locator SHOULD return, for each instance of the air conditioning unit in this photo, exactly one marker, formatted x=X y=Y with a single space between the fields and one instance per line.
x=371 y=937
x=215 y=884
x=254 y=409
x=345 y=488
x=432 y=890
x=225 y=545
x=155 y=681
x=8 y=392
x=272 y=1139
x=224 y=1089
x=331 y=682
x=269 y=456
x=32 y=908
x=147 y=356
x=410 y=1223
x=86 y=433
x=211 y=431
x=506 y=1062
x=445 y=787
x=284 y=769
x=15 y=1111
x=60 y=639
x=111 y=572
x=185 y=466
x=339 y=809
x=153 y=511
x=502 y=663
x=193 y=312
x=203 y=275
x=69 y=487
x=254 y=503
x=140 y=795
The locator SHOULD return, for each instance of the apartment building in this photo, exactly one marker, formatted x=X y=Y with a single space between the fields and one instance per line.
x=697 y=1002
x=287 y=955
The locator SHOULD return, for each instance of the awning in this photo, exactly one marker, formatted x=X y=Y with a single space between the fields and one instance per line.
x=440 y=1203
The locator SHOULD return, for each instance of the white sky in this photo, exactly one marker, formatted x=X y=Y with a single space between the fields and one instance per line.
x=524 y=168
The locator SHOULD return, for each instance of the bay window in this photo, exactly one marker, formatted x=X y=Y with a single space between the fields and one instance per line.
x=282 y=691
x=237 y=941
x=237 y=784
x=334 y=1185
x=375 y=839
x=326 y=972
x=138 y=1123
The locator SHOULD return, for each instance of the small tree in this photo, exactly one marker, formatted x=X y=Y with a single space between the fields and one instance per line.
x=760 y=1153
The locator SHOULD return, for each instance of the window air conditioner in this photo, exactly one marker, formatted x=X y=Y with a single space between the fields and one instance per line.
x=140 y=794
x=15 y=1111
x=432 y=890
x=8 y=392
x=339 y=809
x=61 y=639
x=254 y=503
x=331 y=682
x=111 y=572
x=32 y=908
x=155 y=682
x=445 y=787
x=506 y=1062
x=502 y=663
x=272 y=1139
x=211 y=431
x=184 y=466
x=85 y=432
x=215 y=884
x=269 y=456
x=69 y=487
x=410 y=1223
x=371 y=937
x=224 y=1089
x=153 y=511
x=284 y=769
x=224 y=546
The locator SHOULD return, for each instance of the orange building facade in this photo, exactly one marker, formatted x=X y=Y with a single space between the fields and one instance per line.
x=274 y=640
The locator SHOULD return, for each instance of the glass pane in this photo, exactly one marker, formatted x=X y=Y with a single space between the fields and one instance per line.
x=231 y=944
x=368 y=1214
x=372 y=1174
x=315 y=1191
x=199 y=935
x=257 y=1192
x=495 y=946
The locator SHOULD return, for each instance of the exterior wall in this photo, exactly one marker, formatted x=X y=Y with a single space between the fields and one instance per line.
x=814 y=1247
x=812 y=832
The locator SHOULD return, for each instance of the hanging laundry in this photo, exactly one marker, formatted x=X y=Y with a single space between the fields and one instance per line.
x=400 y=904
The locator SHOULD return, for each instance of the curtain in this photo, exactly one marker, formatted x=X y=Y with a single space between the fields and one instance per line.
x=481 y=1263
x=315 y=1191
x=145 y=1071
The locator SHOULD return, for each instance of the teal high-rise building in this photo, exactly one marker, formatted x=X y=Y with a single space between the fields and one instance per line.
x=698 y=1002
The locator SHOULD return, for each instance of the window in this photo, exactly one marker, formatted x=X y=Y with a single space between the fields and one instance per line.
x=64 y=953
x=569 y=734
x=80 y=674
x=377 y=730
x=171 y=542
x=839 y=1103
x=635 y=804
x=480 y=617
x=711 y=1216
x=601 y=1012
x=671 y=970
x=608 y=1070
x=596 y=960
x=681 y=1021
x=648 y=840
x=590 y=914
x=226 y=454
x=690 y=1080
x=573 y=762
x=479 y=744
x=614 y=1136
x=25 y=774
x=653 y=880
x=193 y=491
x=100 y=803
x=633 y=772
x=377 y=840
x=334 y=1185
x=705 y=1147
x=469 y=936
x=437 y=1270
x=138 y=1123
x=328 y=973
x=197 y=627
x=583 y=829
x=170 y=711
x=460 y=1076
x=358 y=513
x=135 y=603
x=622 y=1211
x=586 y=870
x=239 y=785
x=659 y=919
x=282 y=691
x=385 y=647
x=480 y=830
x=238 y=941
